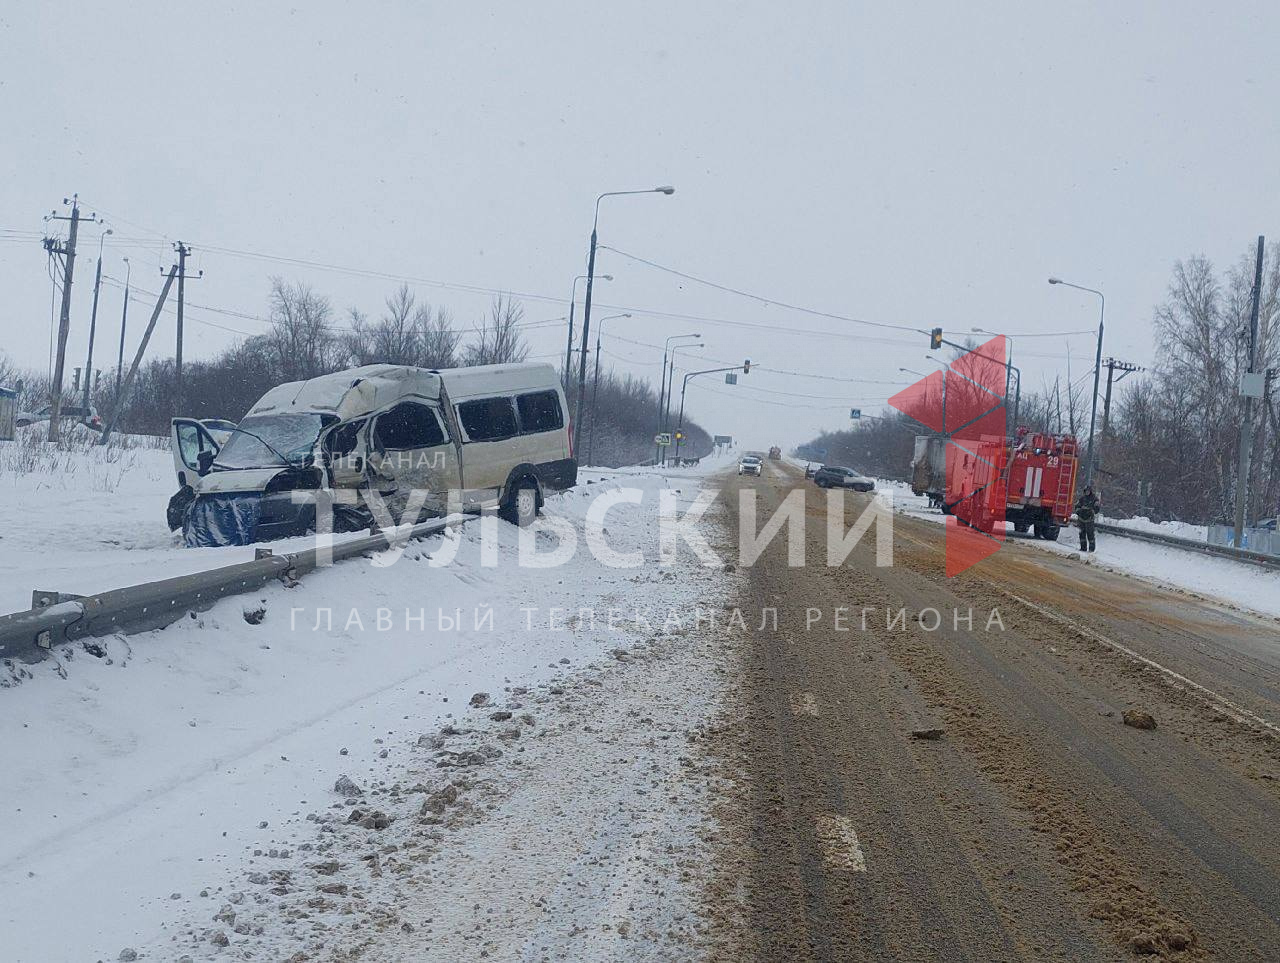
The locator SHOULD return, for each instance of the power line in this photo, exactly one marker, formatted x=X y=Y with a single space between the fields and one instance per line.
x=337 y=328
x=758 y=297
x=779 y=404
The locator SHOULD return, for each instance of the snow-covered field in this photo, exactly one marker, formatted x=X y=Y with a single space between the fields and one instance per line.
x=150 y=779
x=1236 y=583
x=86 y=520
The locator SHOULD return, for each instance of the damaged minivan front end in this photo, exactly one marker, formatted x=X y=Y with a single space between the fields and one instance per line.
x=252 y=488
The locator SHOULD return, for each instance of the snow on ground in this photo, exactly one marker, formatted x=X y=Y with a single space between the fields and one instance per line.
x=1236 y=583
x=84 y=519
x=143 y=771
x=1140 y=523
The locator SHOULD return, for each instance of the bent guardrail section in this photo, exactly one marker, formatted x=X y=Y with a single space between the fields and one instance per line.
x=1203 y=548
x=29 y=636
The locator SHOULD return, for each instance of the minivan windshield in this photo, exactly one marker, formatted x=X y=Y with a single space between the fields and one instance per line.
x=281 y=440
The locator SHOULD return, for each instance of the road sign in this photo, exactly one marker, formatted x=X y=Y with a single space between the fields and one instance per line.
x=662 y=439
x=731 y=379
x=855 y=413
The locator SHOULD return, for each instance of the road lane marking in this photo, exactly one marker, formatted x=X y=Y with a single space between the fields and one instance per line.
x=840 y=843
x=1215 y=700
x=805 y=705
x=1224 y=705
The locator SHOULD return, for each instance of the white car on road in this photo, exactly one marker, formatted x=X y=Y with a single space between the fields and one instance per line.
x=750 y=465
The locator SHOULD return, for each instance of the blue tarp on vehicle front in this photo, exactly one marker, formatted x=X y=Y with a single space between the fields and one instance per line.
x=216 y=520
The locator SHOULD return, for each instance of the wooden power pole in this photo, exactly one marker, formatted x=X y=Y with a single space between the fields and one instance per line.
x=68 y=250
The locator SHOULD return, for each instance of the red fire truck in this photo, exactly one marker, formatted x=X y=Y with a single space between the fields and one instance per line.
x=1029 y=480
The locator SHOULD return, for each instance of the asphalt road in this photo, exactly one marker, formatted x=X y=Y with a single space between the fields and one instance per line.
x=1036 y=824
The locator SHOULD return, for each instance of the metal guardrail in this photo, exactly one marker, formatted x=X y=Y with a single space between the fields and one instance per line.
x=1266 y=541
x=29 y=636
x=1203 y=548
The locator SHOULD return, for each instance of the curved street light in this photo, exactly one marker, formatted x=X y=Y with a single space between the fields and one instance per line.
x=1008 y=371
x=595 y=387
x=1097 y=372
x=664 y=389
x=671 y=378
x=586 y=307
x=573 y=298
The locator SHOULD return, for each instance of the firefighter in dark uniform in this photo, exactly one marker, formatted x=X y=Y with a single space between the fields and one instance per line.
x=1086 y=517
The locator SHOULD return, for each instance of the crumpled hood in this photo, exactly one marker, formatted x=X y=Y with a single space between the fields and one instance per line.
x=237 y=480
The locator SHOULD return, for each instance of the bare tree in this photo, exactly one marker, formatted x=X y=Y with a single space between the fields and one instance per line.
x=498 y=339
x=302 y=338
x=438 y=339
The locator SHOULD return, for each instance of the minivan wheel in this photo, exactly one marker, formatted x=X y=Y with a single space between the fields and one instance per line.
x=522 y=505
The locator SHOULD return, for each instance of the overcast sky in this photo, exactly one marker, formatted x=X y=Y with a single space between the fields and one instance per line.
x=917 y=165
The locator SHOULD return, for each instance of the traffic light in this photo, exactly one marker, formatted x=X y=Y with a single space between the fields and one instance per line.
x=935 y=339
x=679 y=436
x=746 y=366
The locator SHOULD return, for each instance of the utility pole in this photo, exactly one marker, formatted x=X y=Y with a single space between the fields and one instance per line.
x=124 y=321
x=137 y=359
x=1246 y=428
x=68 y=250
x=93 y=320
x=1125 y=368
x=183 y=250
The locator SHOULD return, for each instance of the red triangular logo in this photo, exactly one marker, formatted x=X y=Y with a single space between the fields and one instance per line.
x=922 y=401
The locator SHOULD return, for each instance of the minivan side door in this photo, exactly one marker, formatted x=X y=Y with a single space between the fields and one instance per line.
x=410 y=451
x=491 y=446
x=544 y=436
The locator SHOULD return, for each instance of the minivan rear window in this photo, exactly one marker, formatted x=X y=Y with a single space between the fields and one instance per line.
x=488 y=419
x=539 y=411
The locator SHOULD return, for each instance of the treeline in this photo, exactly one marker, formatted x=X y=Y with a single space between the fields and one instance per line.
x=879 y=446
x=1171 y=443
x=307 y=338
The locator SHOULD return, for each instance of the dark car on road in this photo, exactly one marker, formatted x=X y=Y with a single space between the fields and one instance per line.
x=833 y=476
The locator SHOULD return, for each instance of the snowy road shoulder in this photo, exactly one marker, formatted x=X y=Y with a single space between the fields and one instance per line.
x=146 y=771
x=556 y=821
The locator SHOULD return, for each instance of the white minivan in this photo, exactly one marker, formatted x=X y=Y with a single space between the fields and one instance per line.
x=405 y=438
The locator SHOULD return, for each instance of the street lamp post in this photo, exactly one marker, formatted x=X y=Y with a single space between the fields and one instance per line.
x=573 y=297
x=595 y=388
x=944 y=367
x=662 y=389
x=1008 y=371
x=671 y=381
x=586 y=306
x=1097 y=372
x=124 y=319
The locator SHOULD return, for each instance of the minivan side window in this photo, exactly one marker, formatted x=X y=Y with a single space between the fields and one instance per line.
x=539 y=411
x=407 y=426
x=488 y=419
